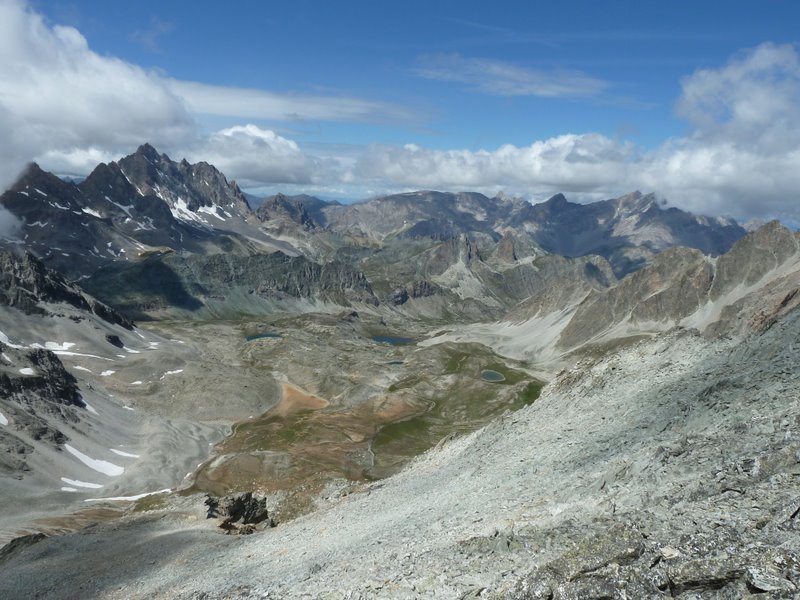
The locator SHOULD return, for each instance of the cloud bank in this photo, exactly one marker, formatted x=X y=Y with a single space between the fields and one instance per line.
x=741 y=157
x=254 y=156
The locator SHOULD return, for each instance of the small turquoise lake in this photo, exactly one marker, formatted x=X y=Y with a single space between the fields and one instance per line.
x=393 y=340
x=492 y=376
x=258 y=336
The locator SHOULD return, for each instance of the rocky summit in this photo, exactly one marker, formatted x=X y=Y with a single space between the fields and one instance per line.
x=427 y=394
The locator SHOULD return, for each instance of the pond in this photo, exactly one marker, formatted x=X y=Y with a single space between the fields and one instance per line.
x=393 y=340
x=492 y=376
x=258 y=336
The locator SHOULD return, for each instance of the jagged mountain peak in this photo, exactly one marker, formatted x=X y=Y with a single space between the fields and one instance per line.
x=192 y=191
x=149 y=152
x=558 y=202
x=142 y=202
x=35 y=177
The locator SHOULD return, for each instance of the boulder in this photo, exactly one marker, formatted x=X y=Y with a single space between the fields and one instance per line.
x=240 y=512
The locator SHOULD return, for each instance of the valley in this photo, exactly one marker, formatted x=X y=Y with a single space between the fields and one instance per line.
x=429 y=392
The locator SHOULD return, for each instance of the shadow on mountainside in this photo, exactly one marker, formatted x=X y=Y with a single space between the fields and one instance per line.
x=135 y=288
x=108 y=564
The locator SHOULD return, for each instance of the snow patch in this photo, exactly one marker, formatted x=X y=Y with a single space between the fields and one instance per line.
x=136 y=497
x=80 y=368
x=146 y=226
x=7 y=342
x=101 y=466
x=107 y=373
x=181 y=211
x=124 y=208
x=137 y=382
x=175 y=372
x=92 y=212
x=27 y=371
x=40 y=192
x=68 y=489
x=83 y=484
x=68 y=353
x=90 y=408
x=211 y=210
x=3 y=420
x=126 y=454
x=56 y=345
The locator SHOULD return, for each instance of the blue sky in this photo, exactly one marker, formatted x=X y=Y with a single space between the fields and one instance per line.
x=359 y=98
x=637 y=52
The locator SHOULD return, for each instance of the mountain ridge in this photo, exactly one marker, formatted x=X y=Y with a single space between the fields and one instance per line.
x=146 y=201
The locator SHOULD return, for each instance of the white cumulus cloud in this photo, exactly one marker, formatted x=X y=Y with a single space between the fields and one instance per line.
x=740 y=158
x=577 y=163
x=743 y=154
x=56 y=94
x=255 y=156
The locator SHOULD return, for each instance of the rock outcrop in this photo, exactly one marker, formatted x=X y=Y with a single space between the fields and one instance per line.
x=239 y=513
x=39 y=396
x=26 y=284
x=414 y=290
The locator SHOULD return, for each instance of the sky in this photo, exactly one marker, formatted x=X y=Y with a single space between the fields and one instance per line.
x=698 y=102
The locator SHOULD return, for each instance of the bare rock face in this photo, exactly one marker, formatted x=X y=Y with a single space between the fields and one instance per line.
x=506 y=251
x=26 y=284
x=143 y=202
x=761 y=251
x=551 y=282
x=230 y=281
x=611 y=228
x=290 y=209
x=756 y=281
x=461 y=248
x=37 y=400
x=675 y=285
x=413 y=290
x=193 y=186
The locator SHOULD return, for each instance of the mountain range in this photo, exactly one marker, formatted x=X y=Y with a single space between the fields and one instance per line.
x=146 y=201
x=435 y=394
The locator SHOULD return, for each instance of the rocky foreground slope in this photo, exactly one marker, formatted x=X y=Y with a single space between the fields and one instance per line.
x=669 y=469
